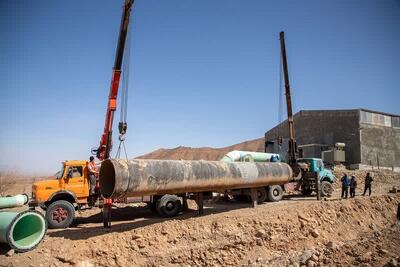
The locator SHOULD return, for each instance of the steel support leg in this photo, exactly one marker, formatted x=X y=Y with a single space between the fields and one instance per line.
x=107 y=206
x=318 y=187
x=199 y=200
x=253 y=194
x=185 y=204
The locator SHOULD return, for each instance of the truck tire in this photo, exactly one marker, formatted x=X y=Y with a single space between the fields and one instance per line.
x=262 y=195
x=169 y=206
x=326 y=189
x=60 y=214
x=274 y=193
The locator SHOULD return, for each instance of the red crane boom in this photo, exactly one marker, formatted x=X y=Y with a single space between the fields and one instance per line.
x=104 y=149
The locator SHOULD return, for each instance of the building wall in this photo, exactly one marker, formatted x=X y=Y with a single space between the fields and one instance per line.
x=325 y=127
x=380 y=145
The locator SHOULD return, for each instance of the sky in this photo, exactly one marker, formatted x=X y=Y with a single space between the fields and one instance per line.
x=202 y=73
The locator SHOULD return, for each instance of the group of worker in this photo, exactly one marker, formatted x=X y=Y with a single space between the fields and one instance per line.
x=350 y=184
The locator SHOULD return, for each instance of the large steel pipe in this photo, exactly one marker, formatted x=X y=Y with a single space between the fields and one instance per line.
x=137 y=177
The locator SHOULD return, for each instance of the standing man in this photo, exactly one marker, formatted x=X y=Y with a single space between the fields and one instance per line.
x=368 y=182
x=92 y=171
x=353 y=186
x=345 y=185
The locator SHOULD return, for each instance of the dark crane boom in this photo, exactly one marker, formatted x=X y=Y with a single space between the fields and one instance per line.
x=292 y=140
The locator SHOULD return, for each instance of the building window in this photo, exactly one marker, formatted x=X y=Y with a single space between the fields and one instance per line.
x=376 y=119
x=396 y=122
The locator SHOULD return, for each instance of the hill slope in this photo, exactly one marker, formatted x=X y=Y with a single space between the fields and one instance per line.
x=204 y=153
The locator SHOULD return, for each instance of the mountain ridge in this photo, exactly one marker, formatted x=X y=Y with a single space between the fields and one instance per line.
x=203 y=153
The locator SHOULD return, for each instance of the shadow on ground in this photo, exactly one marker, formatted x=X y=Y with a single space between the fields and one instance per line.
x=128 y=218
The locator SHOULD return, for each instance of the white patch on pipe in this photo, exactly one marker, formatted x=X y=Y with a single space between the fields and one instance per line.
x=248 y=171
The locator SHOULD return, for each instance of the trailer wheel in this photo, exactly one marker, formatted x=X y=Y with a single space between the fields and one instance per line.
x=169 y=206
x=326 y=189
x=275 y=193
x=60 y=214
x=261 y=195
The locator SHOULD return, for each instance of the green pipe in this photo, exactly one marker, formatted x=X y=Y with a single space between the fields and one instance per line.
x=22 y=231
x=15 y=201
x=237 y=155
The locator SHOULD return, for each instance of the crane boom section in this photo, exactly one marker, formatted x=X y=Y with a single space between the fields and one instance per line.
x=292 y=140
x=103 y=152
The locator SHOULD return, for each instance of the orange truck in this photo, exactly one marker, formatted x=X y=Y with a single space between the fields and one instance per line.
x=69 y=192
x=66 y=193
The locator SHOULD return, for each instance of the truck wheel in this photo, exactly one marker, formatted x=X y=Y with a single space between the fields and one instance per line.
x=326 y=189
x=275 y=193
x=169 y=206
x=60 y=214
x=262 y=195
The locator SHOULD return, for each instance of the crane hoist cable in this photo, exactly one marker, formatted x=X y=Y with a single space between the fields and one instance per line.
x=123 y=124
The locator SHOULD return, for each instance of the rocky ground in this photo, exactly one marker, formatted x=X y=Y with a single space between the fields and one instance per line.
x=294 y=232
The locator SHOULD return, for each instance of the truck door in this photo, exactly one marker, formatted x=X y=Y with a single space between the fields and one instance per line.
x=75 y=181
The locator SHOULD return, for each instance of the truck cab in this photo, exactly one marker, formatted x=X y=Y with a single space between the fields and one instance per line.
x=64 y=194
x=326 y=177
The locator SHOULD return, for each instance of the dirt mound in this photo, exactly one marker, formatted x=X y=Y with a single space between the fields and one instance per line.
x=274 y=234
x=204 y=153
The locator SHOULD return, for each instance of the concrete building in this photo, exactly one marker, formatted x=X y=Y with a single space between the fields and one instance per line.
x=372 y=138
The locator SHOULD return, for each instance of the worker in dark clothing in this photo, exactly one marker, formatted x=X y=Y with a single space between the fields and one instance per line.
x=353 y=186
x=345 y=185
x=368 y=182
x=92 y=171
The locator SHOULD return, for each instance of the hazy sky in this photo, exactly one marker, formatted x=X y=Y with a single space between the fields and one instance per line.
x=203 y=73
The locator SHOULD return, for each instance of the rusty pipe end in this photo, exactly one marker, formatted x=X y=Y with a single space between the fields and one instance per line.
x=107 y=178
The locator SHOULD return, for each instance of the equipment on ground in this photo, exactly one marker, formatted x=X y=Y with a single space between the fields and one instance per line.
x=22 y=231
x=336 y=155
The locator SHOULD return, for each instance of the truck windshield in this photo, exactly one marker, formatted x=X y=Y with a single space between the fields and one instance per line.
x=60 y=173
x=320 y=164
